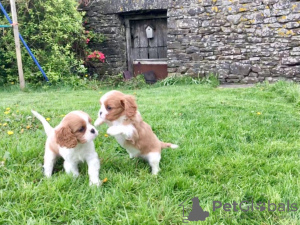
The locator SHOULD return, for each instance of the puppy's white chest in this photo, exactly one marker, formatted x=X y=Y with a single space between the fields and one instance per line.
x=122 y=133
x=77 y=154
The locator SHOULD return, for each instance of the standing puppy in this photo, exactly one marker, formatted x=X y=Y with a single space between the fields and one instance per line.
x=125 y=123
x=72 y=139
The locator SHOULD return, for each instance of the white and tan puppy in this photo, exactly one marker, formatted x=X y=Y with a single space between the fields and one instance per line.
x=125 y=123
x=72 y=139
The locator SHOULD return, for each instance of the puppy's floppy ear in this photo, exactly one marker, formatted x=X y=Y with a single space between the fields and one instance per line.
x=129 y=105
x=65 y=137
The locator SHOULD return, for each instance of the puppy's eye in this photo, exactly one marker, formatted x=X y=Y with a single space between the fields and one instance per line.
x=82 y=129
x=108 y=108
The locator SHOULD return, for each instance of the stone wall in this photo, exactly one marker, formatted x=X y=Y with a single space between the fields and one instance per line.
x=105 y=17
x=241 y=40
x=114 y=47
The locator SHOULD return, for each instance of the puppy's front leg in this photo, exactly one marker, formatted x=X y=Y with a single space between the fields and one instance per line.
x=127 y=131
x=115 y=130
x=99 y=121
x=93 y=169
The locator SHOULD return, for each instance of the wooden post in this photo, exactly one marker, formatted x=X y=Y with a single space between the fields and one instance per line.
x=128 y=46
x=17 y=43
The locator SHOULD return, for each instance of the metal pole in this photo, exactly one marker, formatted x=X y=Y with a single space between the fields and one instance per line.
x=26 y=46
x=17 y=43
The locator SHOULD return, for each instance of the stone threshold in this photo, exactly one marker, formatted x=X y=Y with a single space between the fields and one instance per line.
x=236 y=85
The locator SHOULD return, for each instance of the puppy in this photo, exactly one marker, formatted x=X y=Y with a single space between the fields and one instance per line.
x=72 y=139
x=125 y=123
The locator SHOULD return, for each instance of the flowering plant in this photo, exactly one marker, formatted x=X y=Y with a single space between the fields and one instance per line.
x=96 y=56
x=92 y=36
x=92 y=58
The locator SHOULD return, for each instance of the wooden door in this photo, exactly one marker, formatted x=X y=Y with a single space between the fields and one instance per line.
x=144 y=48
x=141 y=47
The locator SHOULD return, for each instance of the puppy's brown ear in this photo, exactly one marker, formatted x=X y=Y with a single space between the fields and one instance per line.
x=65 y=137
x=129 y=105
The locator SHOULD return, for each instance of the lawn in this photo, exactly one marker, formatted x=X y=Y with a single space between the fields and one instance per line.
x=234 y=145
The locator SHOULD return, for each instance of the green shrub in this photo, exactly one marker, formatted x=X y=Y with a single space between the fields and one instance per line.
x=114 y=81
x=136 y=82
x=117 y=81
x=55 y=33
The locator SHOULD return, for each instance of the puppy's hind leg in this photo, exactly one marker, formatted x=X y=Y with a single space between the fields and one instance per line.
x=49 y=161
x=154 y=159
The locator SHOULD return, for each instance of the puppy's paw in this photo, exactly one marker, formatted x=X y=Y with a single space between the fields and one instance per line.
x=99 y=121
x=47 y=171
x=155 y=172
x=174 y=146
x=114 y=130
x=96 y=182
x=75 y=174
x=48 y=174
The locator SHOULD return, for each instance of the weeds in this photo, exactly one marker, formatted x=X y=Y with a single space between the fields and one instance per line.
x=211 y=80
x=286 y=89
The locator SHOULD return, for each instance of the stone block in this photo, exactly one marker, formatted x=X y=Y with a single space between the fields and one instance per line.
x=252 y=74
x=291 y=60
x=192 y=49
x=240 y=69
x=249 y=80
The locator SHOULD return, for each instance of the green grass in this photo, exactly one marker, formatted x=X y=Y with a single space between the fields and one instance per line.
x=235 y=145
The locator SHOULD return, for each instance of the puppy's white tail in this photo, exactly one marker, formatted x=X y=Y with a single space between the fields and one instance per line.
x=46 y=125
x=168 y=145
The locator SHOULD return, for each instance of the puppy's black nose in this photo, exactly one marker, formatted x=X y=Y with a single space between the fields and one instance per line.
x=100 y=113
x=93 y=131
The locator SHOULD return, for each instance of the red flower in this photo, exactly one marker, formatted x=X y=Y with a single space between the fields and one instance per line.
x=101 y=57
x=87 y=40
x=97 y=56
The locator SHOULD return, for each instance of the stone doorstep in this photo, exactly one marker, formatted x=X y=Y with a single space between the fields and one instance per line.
x=236 y=85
